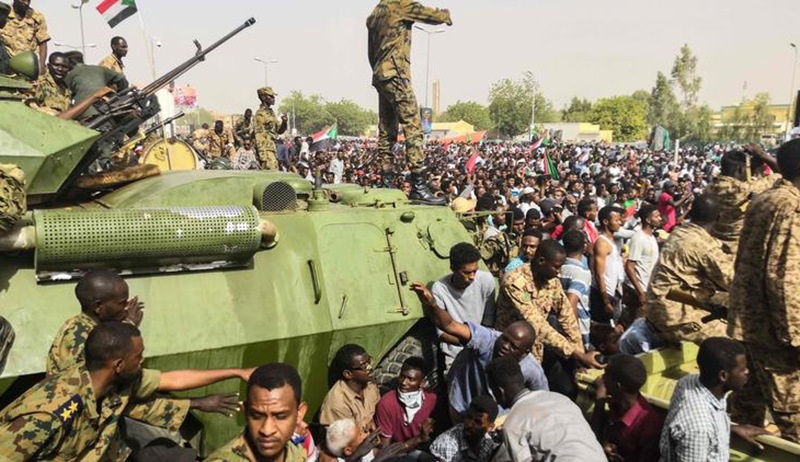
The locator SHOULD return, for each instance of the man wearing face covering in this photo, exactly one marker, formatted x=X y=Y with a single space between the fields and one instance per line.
x=403 y=414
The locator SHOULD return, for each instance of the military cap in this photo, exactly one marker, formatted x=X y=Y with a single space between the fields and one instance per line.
x=5 y=8
x=266 y=91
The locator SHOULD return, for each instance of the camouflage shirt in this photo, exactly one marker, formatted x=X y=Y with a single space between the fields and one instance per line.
x=734 y=196
x=237 y=450
x=220 y=144
x=389 y=28
x=765 y=299
x=112 y=62
x=12 y=196
x=520 y=299
x=50 y=97
x=265 y=126
x=694 y=262
x=244 y=129
x=61 y=419
x=67 y=351
x=24 y=33
x=497 y=249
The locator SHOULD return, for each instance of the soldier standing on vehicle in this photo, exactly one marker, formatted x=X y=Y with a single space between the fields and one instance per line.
x=692 y=271
x=119 y=50
x=50 y=93
x=267 y=128
x=26 y=31
x=734 y=191
x=389 y=28
x=765 y=300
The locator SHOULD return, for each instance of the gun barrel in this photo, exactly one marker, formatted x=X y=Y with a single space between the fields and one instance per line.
x=193 y=61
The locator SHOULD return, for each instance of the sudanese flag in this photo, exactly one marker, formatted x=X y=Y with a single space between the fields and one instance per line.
x=116 y=11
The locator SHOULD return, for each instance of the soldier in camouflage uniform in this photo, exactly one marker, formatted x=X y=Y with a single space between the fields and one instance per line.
x=496 y=247
x=50 y=93
x=220 y=142
x=119 y=50
x=273 y=390
x=267 y=128
x=74 y=414
x=244 y=128
x=735 y=191
x=765 y=300
x=533 y=292
x=5 y=9
x=103 y=296
x=389 y=28
x=26 y=31
x=12 y=196
x=693 y=271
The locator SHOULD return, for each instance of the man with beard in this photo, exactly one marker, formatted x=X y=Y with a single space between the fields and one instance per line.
x=119 y=50
x=74 y=414
x=273 y=410
x=467 y=379
x=51 y=94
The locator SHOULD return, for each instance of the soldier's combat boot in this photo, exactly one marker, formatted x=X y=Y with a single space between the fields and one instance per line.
x=420 y=192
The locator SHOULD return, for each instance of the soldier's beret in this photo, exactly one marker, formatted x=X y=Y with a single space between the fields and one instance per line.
x=266 y=91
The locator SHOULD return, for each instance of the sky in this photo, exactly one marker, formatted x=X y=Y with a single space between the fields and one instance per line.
x=585 y=48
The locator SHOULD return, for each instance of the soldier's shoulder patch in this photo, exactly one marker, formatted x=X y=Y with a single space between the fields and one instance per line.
x=68 y=411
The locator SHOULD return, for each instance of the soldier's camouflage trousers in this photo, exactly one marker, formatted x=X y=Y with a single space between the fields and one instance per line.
x=398 y=105
x=265 y=150
x=12 y=196
x=779 y=374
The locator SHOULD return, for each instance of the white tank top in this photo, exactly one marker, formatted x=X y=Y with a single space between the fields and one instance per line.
x=614 y=273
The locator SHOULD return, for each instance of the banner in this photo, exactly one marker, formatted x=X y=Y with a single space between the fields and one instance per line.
x=426 y=117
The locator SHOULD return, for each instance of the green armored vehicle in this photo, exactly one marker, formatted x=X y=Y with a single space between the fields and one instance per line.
x=236 y=268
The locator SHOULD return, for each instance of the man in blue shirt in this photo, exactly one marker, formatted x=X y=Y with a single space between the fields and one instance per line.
x=467 y=379
x=576 y=279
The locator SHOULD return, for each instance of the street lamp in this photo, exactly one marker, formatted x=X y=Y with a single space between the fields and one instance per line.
x=79 y=6
x=266 y=63
x=76 y=47
x=791 y=95
x=428 y=66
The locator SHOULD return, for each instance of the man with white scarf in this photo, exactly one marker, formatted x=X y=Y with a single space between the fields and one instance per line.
x=403 y=414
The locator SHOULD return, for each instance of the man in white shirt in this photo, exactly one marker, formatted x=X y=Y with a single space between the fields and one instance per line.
x=642 y=258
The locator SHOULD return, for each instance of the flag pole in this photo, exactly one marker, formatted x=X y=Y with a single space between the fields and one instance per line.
x=147 y=44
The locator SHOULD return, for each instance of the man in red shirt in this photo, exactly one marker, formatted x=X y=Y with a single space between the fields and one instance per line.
x=668 y=206
x=403 y=414
x=630 y=429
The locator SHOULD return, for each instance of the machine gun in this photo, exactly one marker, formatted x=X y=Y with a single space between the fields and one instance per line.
x=131 y=143
x=123 y=113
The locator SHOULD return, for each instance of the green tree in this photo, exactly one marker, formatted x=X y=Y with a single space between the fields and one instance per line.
x=510 y=105
x=469 y=111
x=684 y=73
x=310 y=114
x=577 y=111
x=625 y=115
x=353 y=120
x=760 y=118
x=663 y=107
